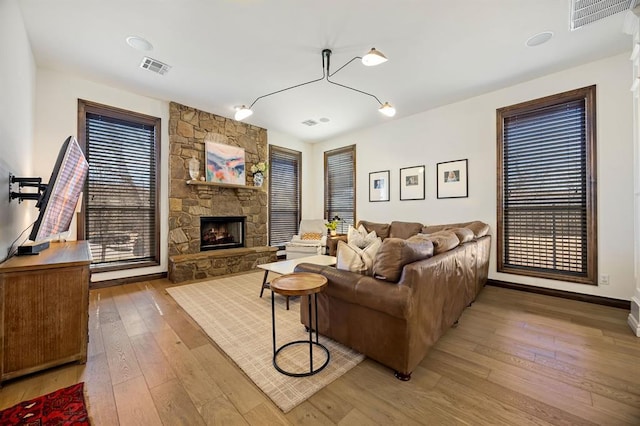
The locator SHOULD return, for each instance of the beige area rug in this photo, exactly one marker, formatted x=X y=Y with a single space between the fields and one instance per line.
x=231 y=312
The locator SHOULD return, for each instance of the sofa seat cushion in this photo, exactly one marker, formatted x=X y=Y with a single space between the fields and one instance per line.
x=352 y=258
x=394 y=253
x=404 y=230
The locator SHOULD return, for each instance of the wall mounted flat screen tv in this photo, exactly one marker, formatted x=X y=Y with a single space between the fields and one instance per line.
x=58 y=202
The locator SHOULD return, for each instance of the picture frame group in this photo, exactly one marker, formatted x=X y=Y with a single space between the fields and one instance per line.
x=452 y=181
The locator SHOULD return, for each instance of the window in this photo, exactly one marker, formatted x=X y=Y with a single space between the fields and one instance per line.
x=547 y=187
x=340 y=185
x=121 y=193
x=284 y=194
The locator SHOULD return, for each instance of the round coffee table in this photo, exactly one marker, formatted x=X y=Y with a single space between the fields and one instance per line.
x=299 y=284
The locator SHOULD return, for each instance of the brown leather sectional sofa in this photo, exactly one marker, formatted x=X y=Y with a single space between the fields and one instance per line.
x=395 y=323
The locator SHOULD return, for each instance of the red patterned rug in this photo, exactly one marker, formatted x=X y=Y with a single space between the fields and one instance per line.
x=62 y=407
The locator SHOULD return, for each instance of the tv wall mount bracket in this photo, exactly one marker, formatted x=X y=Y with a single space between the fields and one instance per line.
x=26 y=182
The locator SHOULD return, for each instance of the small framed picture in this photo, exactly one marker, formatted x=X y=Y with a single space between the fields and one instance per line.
x=452 y=179
x=412 y=183
x=379 y=186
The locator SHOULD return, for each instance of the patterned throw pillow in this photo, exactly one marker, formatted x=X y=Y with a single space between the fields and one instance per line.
x=359 y=237
x=311 y=236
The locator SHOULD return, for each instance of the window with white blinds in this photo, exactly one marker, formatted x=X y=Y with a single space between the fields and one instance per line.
x=285 y=171
x=546 y=182
x=340 y=185
x=121 y=193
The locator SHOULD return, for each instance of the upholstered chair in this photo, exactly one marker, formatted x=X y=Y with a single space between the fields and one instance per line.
x=311 y=239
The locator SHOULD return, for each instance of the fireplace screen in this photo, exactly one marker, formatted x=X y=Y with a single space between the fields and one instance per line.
x=221 y=232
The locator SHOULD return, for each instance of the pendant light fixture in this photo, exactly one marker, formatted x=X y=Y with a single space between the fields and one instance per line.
x=372 y=58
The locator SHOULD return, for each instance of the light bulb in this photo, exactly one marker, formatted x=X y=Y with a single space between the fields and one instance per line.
x=374 y=57
x=387 y=109
x=242 y=112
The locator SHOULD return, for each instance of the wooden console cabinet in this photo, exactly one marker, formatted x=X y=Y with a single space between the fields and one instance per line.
x=44 y=309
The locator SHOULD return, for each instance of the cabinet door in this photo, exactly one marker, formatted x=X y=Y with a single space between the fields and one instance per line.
x=45 y=318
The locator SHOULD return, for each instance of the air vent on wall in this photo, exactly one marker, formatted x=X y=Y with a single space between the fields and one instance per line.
x=309 y=122
x=155 y=66
x=585 y=12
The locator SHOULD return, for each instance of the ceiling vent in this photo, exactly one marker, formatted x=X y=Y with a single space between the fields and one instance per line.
x=309 y=122
x=585 y=12
x=155 y=66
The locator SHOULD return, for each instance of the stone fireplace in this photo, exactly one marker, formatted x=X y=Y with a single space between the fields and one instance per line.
x=190 y=201
x=221 y=232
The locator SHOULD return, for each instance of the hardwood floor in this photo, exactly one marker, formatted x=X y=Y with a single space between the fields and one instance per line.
x=515 y=359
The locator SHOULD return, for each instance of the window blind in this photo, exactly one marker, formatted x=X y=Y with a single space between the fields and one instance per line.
x=545 y=221
x=284 y=194
x=340 y=181
x=121 y=221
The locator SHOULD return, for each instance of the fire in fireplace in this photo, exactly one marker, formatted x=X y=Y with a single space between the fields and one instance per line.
x=221 y=232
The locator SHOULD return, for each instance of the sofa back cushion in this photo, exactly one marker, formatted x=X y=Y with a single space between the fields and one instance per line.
x=442 y=241
x=381 y=229
x=394 y=253
x=464 y=234
x=404 y=230
x=479 y=229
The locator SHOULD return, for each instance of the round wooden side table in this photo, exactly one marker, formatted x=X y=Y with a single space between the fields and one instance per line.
x=299 y=284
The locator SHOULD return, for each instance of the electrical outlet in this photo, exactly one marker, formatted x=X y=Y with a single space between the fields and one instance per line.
x=604 y=279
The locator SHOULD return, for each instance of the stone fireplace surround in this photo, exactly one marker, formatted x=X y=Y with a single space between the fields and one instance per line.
x=188 y=130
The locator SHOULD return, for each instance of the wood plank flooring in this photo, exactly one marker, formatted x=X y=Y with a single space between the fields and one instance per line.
x=514 y=359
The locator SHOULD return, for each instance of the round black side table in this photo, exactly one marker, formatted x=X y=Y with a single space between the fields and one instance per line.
x=299 y=284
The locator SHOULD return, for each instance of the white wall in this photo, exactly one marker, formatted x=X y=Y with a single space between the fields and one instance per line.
x=467 y=129
x=57 y=97
x=308 y=168
x=17 y=100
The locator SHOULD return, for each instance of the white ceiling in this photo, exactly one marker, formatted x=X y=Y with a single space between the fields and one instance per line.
x=227 y=53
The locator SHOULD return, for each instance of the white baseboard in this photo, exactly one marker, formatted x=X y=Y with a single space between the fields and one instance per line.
x=634 y=324
x=634 y=316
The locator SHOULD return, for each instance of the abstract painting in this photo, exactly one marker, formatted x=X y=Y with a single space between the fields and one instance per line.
x=225 y=163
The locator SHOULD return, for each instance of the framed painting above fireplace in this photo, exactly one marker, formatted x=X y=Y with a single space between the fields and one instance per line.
x=224 y=163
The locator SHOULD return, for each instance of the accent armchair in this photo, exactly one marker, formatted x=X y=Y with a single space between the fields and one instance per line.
x=311 y=239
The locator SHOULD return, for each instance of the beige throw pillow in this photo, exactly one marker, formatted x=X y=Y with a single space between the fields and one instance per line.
x=359 y=237
x=354 y=259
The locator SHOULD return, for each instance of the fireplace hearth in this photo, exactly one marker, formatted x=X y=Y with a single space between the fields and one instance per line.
x=221 y=232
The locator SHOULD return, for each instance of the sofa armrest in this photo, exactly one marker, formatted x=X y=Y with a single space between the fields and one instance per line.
x=440 y=284
x=363 y=290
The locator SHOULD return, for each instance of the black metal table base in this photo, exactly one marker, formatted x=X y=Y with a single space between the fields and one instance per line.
x=309 y=342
